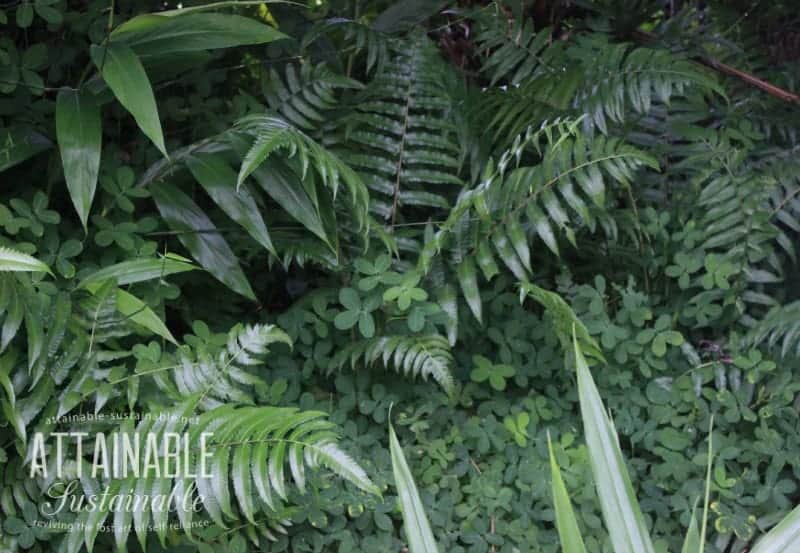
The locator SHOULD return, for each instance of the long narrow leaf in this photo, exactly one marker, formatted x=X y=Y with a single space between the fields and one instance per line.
x=219 y=181
x=784 y=538
x=79 y=132
x=200 y=236
x=417 y=528
x=139 y=270
x=125 y=76
x=156 y=34
x=12 y=260
x=568 y=532
x=621 y=512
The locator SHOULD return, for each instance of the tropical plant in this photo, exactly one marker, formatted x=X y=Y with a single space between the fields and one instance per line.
x=281 y=218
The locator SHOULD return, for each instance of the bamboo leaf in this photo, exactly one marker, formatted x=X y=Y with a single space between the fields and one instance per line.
x=692 y=541
x=219 y=181
x=137 y=311
x=469 y=286
x=125 y=76
x=200 y=236
x=157 y=34
x=784 y=538
x=140 y=270
x=285 y=188
x=79 y=132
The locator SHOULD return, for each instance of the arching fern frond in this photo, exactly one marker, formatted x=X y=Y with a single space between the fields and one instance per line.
x=426 y=356
x=305 y=94
x=513 y=51
x=241 y=478
x=361 y=37
x=779 y=329
x=619 y=78
x=230 y=375
x=564 y=180
x=271 y=133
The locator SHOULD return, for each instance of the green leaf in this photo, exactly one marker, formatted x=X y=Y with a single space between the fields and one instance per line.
x=79 y=132
x=156 y=34
x=568 y=532
x=621 y=512
x=784 y=538
x=469 y=286
x=137 y=311
x=285 y=188
x=219 y=181
x=125 y=76
x=140 y=270
x=346 y=319
x=20 y=143
x=12 y=260
x=200 y=236
x=415 y=522
x=692 y=542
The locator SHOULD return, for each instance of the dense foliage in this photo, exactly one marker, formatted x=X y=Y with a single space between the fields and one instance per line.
x=284 y=219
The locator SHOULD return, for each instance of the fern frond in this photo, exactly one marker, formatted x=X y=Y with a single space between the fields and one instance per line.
x=513 y=50
x=243 y=478
x=426 y=356
x=619 y=78
x=515 y=204
x=305 y=95
x=231 y=375
x=779 y=329
x=399 y=138
x=271 y=133
x=361 y=37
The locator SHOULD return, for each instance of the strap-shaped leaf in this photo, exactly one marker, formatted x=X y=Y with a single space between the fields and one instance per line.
x=200 y=236
x=156 y=34
x=140 y=270
x=623 y=518
x=79 y=132
x=568 y=532
x=469 y=286
x=20 y=143
x=784 y=538
x=136 y=310
x=218 y=179
x=124 y=74
x=12 y=260
x=692 y=541
x=415 y=522
x=285 y=188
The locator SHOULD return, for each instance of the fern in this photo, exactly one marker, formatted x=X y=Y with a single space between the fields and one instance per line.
x=620 y=78
x=250 y=449
x=427 y=356
x=229 y=376
x=514 y=204
x=407 y=151
x=512 y=50
x=358 y=36
x=272 y=133
x=779 y=329
x=304 y=96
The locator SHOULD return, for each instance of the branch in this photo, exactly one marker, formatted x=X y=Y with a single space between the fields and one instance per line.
x=752 y=80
